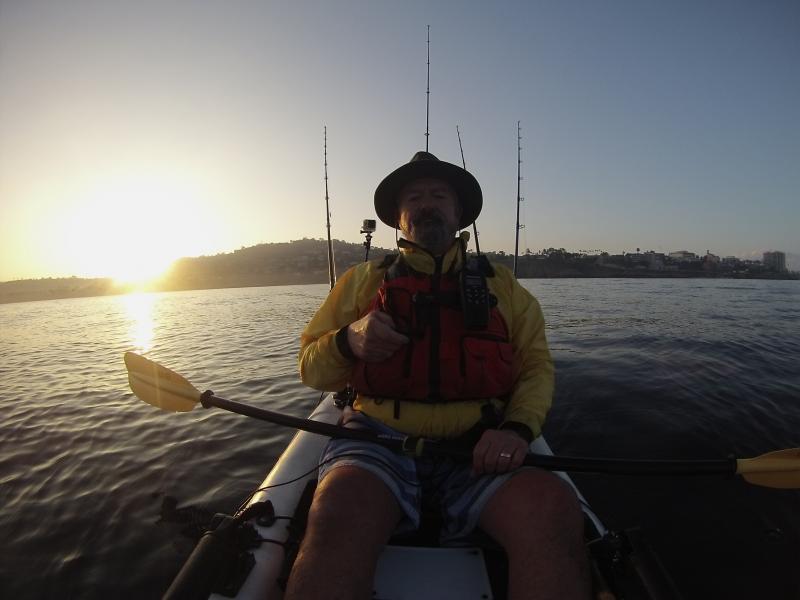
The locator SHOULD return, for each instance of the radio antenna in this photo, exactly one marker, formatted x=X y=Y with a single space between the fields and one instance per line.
x=464 y=163
x=428 y=93
x=519 y=197
x=331 y=267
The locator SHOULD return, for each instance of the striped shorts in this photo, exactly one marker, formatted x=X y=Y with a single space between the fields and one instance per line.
x=438 y=483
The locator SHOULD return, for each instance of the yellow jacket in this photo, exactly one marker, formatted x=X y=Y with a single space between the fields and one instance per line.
x=323 y=367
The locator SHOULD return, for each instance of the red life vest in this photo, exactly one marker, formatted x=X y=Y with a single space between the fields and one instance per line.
x=443 y=360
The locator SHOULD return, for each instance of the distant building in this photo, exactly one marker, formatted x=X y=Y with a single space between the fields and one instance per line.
x=710 y=261
x=774 y=261
x=654 y=260
x=649 y=259
x=683 y=256
x=611 y=260
x=731 y=261
x=635 y=257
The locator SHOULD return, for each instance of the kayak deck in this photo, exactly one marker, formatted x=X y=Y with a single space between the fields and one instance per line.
x=433 y=570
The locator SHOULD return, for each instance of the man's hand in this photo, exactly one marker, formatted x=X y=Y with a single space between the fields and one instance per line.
x=498 y=451
x=374 y=338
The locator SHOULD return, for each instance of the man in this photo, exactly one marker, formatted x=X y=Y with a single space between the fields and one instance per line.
x=426 y=360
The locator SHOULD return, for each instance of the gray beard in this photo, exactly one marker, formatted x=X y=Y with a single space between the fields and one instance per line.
x=427 y=229
x=433 y=237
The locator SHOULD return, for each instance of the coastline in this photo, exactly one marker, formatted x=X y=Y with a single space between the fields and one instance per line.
x=304 y=262
x=38 y=290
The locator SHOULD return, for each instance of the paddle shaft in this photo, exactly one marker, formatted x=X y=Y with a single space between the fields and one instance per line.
x=613 y=466
x=397 y=444
x=417 y=446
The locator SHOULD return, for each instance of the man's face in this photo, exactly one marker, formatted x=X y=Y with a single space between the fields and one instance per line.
x=428 y=214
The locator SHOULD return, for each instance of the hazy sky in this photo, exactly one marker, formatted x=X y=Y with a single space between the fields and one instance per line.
x=132 y=133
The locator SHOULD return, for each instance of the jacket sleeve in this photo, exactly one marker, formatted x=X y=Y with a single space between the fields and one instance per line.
x=534 y=378
x=322 y=365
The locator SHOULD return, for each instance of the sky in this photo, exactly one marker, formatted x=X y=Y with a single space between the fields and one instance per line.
x=133 y=133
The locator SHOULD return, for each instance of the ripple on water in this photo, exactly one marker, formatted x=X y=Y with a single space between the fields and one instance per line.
x=644 y=368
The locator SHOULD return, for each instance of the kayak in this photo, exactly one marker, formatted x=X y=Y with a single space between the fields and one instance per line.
x=249 y=555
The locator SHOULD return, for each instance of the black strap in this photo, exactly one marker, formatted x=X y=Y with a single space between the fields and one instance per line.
x=520 y=428
x=490 y=419
x=387 y=261
x=343 y=344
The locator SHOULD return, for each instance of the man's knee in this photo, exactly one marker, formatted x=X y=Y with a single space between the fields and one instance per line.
x=557 y=496
x=352 y=502
x=531 y=504
x=351 y=518
x=554 y=501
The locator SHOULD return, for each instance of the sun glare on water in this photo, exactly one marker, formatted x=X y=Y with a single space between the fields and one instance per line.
x=139 y=308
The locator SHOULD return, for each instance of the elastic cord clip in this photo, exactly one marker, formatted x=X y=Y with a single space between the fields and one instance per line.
x=413 y=446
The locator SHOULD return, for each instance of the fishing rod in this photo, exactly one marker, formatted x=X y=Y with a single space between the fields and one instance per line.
x=519 y=197
x=464 y=163
x=331 y=266
x=428 y=93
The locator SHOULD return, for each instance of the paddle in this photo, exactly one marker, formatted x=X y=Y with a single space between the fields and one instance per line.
x=167 y=390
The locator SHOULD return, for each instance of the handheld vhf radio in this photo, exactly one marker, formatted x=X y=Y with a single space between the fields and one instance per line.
x=475 y=300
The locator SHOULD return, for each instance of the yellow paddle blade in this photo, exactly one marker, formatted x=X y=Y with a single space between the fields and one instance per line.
x=778 y=469
x=159 y=386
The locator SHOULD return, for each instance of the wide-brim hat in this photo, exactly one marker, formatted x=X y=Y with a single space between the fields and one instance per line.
x=424 y=165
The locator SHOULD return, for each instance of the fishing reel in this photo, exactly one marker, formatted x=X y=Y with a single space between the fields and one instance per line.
x=222 y=560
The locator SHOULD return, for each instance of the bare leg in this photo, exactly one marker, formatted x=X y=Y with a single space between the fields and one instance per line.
x=537 y=519
x=351 y=519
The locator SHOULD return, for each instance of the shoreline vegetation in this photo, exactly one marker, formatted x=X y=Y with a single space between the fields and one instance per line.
x=305 y=262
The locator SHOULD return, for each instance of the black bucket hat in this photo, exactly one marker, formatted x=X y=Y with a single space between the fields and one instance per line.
x=422 y=165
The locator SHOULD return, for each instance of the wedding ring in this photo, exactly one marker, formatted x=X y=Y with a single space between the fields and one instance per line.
x=505 y=455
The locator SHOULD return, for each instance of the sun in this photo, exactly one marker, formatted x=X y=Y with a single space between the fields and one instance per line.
x=133 y=228
x=139 y=271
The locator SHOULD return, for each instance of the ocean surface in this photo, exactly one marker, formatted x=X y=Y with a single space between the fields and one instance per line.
x=697 y=368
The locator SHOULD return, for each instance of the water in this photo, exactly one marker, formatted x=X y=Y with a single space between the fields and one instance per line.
x=645 y=368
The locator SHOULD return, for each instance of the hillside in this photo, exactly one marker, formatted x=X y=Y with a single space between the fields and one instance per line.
x=297 y=262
